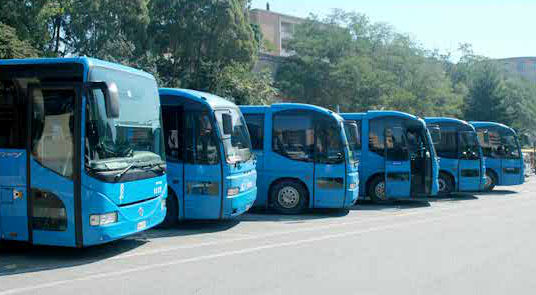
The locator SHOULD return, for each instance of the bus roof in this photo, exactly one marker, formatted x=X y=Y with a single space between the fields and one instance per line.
x=490 y=124
x=454 y=121
x=290 y=106
x=211 y=100
x=376 y=114
x=86 y=61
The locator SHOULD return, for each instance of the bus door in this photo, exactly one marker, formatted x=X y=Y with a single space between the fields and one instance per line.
x=13 y=172
x=55 y=205
x=420 y=150
x=397 y=164
x=173 y=121
x=468 y=163
x=203 y=195
x=511 y=161
x=330 y=167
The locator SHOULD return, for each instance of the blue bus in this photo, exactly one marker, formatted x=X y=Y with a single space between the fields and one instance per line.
x=502 y=154
x=397 y=158
x=461 y=164
x=304 y=159
x=81 y=164
x=211 y=168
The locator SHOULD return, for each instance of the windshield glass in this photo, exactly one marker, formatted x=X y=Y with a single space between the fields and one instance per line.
x=511 y=147
x=235 y=137
x=354 y=140
x=469 y=147
x=134 y=138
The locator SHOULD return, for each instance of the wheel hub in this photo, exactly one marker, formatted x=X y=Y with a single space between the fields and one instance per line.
x=442 y=185
x=380 y=190
x=288 y=197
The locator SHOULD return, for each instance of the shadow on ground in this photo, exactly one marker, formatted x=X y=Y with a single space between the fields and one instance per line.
x=390 y=205
x=261 y=215
x=453 y=197
x=16 y=257
x=500 y=192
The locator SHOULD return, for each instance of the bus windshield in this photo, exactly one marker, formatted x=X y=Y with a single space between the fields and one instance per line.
x=469 y=147
x=133 y=139
x=236 y=142
x=354 y=140
x=511 y=148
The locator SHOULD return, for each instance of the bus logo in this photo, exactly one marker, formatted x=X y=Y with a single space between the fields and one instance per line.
x=121 y=192
x=140 y=211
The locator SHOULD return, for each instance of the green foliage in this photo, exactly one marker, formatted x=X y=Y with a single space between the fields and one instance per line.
x=12 y=47
x=347 y=61
x=239 y=84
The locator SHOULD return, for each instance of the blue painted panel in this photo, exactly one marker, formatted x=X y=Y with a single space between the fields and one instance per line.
x=45 y=180
x=468 y=183
x=175 y=176
x=202 y=191
x=398 y=187
x=244 y=177
x=96 y=200
x=328 y=196
x=494 y=165
x=512 y=172
x=13 y=195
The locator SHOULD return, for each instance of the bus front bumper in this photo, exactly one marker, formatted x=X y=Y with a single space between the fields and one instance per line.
x=131 y=220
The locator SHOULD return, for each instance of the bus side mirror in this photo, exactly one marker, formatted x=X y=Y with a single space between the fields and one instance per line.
x=227 y=122
x=111 y=97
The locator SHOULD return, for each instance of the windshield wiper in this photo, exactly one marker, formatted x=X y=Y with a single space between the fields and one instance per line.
x=120 y=174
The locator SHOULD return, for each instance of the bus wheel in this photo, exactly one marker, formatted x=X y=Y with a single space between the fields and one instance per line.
x=289 y=197
x=377 y=190
x=491 y=181
x=172 y=211
x=445 y=184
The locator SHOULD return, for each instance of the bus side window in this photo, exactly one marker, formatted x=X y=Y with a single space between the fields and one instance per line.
x=329 y=146
x=256 y=130
x=293 y=135
x=12 y=115
x=396 y=148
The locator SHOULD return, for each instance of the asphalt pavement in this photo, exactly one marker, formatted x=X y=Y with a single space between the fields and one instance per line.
x=465 y=244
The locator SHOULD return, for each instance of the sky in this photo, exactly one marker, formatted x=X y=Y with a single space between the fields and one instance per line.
x=495 y=28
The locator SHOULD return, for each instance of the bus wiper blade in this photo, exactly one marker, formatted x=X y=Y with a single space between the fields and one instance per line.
x=120 y=174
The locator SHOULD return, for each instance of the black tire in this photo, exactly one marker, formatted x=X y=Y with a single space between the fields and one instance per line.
x=493 y=181
x=289 y=197
x=373 y=192
x=446 y=185
x=172 y=211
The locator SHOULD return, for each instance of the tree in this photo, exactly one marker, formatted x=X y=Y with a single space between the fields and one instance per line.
x=345 y=60
x=12 y=47
x=194 y=38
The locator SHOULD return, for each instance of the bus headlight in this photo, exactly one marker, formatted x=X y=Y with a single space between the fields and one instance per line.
x=233 y=191
x=102 y=219
x=352 y=185
x=163 y=204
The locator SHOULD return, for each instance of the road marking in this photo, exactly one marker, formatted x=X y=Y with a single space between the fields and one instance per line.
x=236 y=252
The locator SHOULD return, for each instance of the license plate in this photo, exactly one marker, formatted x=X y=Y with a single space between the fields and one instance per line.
x=142 y=225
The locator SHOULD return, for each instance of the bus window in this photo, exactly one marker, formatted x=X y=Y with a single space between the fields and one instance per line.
x=395 y=143
x=469 y=146
x=510 y=146
x=293 y=135
x=52 y=130
x=11 y=117
x=351 y=128
x=256 y=130
x=329 y=146
x=376 y=136
x=201 y=146
x=237 y=144
x=446 y=147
